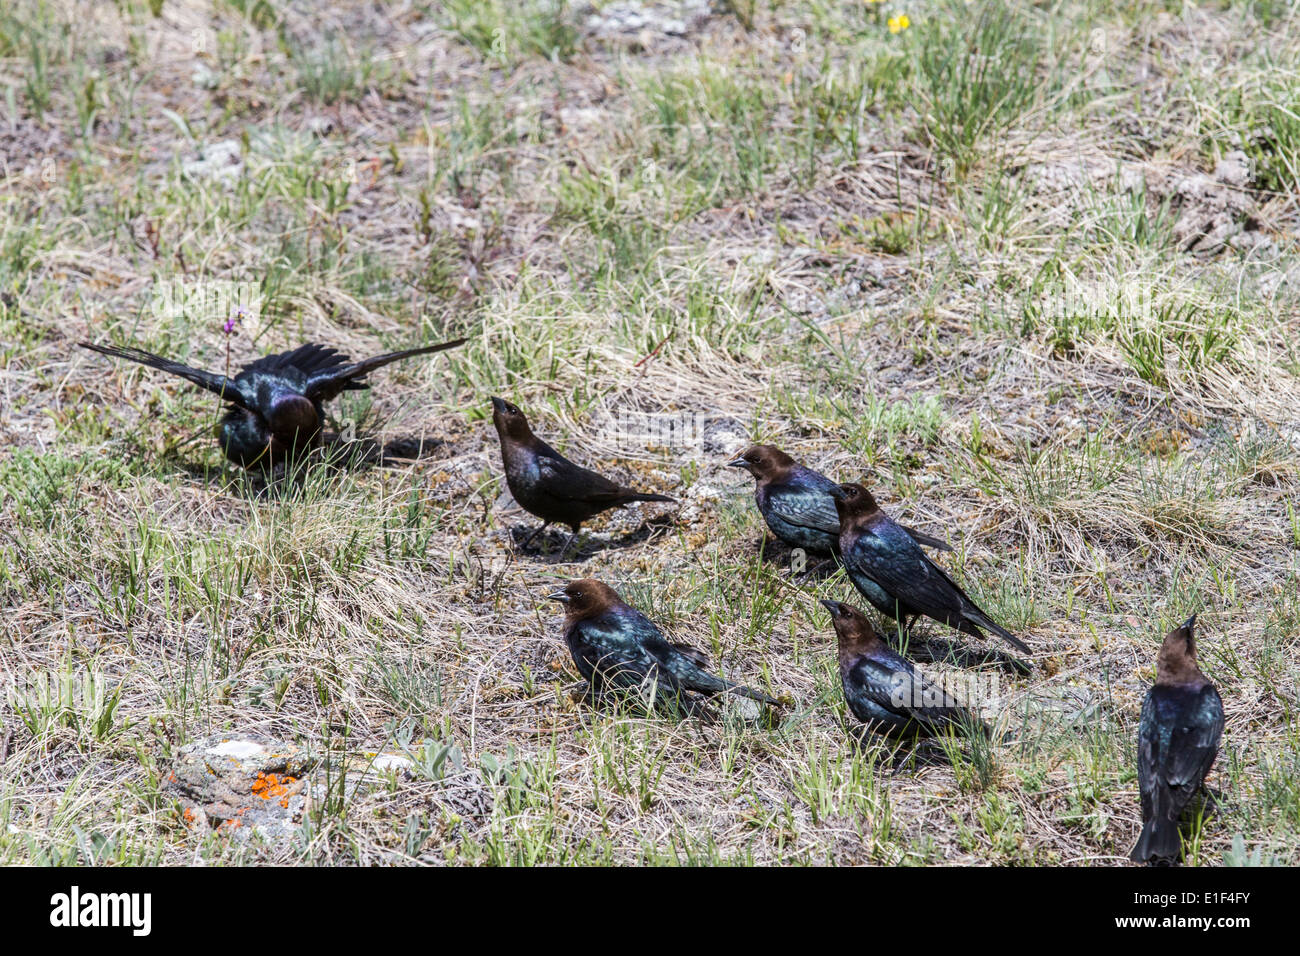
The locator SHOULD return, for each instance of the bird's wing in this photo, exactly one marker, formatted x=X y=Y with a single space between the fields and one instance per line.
x=906 y=692
x=310 y=359
x=688 y=669
x=686 y=665
x=1177 y=745
x=700 y=658
x=1148 y=751
x=1194 y=742
x=898 y=565
x=806 y=509
x=228 y=388
x=809 y=509
x=327 y=382
x=888 y=687
x=617 y=646
x=564 y=479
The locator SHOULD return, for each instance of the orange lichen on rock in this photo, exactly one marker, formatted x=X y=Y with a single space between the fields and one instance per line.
x=268 y=785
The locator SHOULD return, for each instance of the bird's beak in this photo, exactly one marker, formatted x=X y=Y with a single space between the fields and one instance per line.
x=832 y=606
x=738 y=462
x=837 y=493
x=1190 y=624
x=498 y=404
x=559 y=595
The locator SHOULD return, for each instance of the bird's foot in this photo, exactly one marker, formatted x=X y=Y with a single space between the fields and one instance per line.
x=815 y=570
x=564 y=551
x=529 y=540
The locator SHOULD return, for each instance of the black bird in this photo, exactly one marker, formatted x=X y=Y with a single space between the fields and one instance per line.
x=547 y=484
x=894 y=574
x=276 y=403
x=1178 y=739
x=797 y=503
x=883 y=689
x=615 y=645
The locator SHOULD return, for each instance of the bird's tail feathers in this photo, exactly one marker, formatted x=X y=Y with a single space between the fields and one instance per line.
x=1160 y=842
x=740 y=690
x=983 y=621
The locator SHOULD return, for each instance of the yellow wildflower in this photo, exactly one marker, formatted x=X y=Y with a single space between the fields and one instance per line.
x=899 y=23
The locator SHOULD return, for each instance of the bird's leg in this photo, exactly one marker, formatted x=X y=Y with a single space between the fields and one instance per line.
x=901 y=633
x=809 y=572
x=536 y=531
x=564 y=551
x=1206 y=801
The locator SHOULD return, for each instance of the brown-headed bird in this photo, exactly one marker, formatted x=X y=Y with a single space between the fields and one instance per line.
x=797 y=503
x=885 y=691
x=1178 y=739
x=548 y=485
x=277 y=402
x=891 y=571
x=615 y=645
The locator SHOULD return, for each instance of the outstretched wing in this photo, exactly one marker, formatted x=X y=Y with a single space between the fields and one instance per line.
x=327 y=382
x=227 y=388
x=310 y=359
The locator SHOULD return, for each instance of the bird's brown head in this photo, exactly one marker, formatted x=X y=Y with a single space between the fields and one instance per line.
x=853 y=502
x=854 y=631
x=509 y=420
x=292 y=419
x=585 y=598
x=764 y=462
x=1176 y=662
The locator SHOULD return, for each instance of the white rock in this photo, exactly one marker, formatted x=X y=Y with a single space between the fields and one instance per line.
x=239 y=749
x=222 y=161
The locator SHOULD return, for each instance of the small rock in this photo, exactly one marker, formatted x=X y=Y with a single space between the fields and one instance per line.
x=205 y=78
x=320 y=125
x=247 y=783
x=221 y=161
x=629 y=20
x=392 y=762
x=1234 y=170
x=724 y=436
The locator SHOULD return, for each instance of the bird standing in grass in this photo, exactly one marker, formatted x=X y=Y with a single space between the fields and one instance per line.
x=797 y=503
x=884 y=690
x=548 y=485
x=615 y=645
x=1178 y=739
x=276 y=403
x=894 y=574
